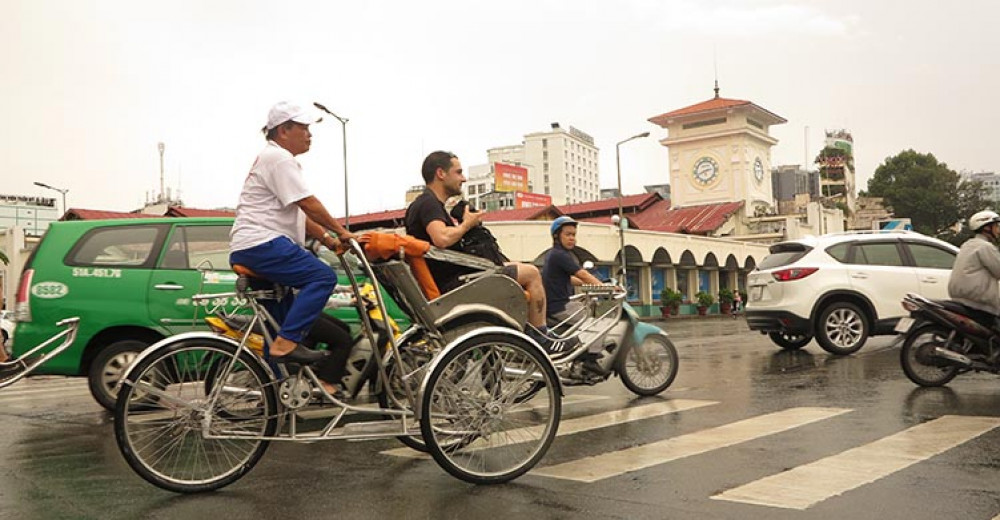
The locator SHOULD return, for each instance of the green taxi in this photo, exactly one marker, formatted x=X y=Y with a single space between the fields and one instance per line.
x=130 y=282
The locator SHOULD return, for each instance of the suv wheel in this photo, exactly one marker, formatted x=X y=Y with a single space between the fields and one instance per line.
x=842 y=328
x=109 y=366
x=789 y=341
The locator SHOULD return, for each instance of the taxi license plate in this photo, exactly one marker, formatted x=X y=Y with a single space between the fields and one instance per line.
x=903 y=325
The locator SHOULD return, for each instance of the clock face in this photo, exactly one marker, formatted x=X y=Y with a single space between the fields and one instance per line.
x=758 y=170
x=705 y=172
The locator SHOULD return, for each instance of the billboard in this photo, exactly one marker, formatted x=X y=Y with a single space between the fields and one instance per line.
x=507 y=177
x=531 y=200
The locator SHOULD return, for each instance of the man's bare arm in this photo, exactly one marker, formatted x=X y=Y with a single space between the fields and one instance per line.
x=319 y=216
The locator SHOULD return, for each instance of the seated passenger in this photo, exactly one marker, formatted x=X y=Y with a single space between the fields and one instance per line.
x=561 y=272
x=427 y=219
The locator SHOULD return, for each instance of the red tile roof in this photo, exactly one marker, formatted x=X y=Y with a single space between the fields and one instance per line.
x=387 y=219
x=606 y=206
x=511 y=215
x=180 y=211
x=692 y=220
x=96 y=214
x=716 y=103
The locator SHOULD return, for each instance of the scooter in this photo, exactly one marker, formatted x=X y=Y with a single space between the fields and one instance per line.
x=941 y=341
x=616 y=342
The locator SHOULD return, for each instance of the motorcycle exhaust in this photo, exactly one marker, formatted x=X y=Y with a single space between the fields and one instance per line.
x=954 y=357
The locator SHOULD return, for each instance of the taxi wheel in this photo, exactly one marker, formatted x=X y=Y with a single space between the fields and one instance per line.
x=109 y=366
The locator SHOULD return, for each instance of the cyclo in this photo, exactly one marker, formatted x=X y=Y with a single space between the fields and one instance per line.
x=197 y=411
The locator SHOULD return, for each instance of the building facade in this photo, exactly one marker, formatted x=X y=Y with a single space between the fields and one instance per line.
x=561 y=163
x=720 y=151
x=789 y=180
x=32 y=214
x=990 y=182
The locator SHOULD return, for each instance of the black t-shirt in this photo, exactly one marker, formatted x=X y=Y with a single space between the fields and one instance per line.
x=422 y=211
x=560 y=265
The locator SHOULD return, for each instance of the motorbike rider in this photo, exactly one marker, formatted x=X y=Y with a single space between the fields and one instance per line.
x=560 y=273
x=976 y=273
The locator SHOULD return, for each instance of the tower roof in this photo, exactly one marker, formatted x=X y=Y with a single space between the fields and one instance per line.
x=712 y=105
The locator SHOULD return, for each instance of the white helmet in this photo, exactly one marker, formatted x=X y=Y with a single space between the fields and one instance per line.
x=981 y=219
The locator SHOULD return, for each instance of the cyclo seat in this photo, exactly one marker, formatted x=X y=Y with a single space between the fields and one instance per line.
x=400 y=263
x=983 y=318
x=248 y=280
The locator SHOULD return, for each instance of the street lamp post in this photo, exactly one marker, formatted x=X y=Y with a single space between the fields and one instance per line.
x=343 y=126
x=60 y=190
x=621 y=216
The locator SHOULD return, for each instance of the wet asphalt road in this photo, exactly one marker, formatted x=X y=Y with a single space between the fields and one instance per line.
x=58 y=457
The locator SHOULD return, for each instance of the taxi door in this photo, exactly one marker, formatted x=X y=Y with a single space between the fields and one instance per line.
x=194 y=259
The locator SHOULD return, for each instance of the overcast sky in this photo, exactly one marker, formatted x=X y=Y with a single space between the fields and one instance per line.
x=90 y=87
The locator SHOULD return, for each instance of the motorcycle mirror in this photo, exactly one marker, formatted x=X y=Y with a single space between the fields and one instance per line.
x=588 y=265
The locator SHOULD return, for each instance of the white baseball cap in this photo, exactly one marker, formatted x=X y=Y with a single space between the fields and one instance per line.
x=286 y=111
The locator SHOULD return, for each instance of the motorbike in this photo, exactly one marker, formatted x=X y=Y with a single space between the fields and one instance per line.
x=619 y=344
x=941 y=341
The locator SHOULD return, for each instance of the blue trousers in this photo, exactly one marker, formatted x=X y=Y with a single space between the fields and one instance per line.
x=282 y=261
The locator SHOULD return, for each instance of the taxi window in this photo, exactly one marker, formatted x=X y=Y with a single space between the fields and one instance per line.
x=194 y=247
x=119 y=246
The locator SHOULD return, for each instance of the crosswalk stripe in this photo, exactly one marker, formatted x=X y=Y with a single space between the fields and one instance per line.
x=600 y=420
x=592 y=469
x=801 y=487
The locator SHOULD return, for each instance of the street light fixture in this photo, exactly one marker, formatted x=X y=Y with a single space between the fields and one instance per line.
x=621 y=216
x=343 y=125
x=60 y=190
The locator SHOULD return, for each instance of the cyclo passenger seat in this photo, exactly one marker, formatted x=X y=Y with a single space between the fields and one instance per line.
x=400 y=263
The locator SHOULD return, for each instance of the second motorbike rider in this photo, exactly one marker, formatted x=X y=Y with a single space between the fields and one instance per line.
x=976 y=272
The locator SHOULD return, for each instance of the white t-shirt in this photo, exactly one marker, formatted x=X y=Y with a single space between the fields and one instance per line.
x=267 y=208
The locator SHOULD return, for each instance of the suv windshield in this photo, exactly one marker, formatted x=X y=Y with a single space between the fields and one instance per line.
x=784 y=254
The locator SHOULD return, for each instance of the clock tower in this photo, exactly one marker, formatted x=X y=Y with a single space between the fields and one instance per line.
x=720 y=151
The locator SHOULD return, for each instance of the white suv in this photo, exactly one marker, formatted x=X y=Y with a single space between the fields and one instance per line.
x=843 y=288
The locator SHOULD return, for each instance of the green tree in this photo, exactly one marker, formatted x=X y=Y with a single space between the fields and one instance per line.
x=917 y=186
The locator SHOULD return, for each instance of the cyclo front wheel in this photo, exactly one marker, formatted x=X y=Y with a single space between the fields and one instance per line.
x=165 y=439
x=471 y=420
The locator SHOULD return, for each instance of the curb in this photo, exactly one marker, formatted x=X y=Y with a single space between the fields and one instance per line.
x=688 y=317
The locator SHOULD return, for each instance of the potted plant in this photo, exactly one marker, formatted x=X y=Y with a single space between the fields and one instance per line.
x=726 y=297
x=670 y=301
x=705 y=301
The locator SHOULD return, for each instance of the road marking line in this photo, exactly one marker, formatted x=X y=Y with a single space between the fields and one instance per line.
x=801 y=487
x=593 y=422
x=598 y=467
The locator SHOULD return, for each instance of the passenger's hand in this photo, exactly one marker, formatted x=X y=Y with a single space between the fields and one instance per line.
x=474 y=218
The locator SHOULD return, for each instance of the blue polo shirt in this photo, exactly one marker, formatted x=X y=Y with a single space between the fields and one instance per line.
x=560 y=265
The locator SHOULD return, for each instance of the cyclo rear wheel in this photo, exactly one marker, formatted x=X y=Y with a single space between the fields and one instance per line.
x=471 y=420
x=164 y=440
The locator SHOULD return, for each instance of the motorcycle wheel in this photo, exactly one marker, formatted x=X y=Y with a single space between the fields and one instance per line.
x=918 y=360
x=650 y=368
